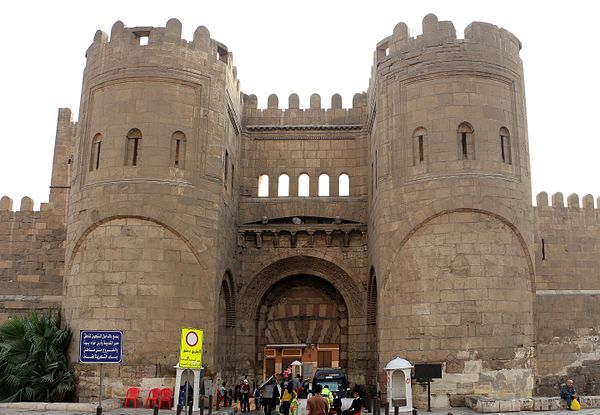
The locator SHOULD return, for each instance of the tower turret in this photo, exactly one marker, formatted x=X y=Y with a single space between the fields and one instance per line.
x=150 y=221
x=450 y=210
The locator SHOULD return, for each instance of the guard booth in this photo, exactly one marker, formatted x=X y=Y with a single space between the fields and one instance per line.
x=399 y=385
x=192 y=376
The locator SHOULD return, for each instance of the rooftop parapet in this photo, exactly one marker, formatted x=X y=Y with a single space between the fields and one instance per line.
x=6 y=205
x=478 y=36
x=572 y=201
x=161 y=46
x=313 y=116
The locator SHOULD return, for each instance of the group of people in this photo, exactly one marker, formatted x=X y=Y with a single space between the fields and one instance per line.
x=285 y=393
x=242 y=392
x=325 y=402
x=285 y=390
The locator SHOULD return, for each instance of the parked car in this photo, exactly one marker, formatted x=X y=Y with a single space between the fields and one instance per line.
x=334 y=379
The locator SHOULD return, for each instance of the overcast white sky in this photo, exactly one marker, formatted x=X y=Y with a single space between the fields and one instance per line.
x=304 y=47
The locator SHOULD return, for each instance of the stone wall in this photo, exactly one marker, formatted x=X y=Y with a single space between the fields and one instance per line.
x=32 y=258
x=32 y=243
x=295 y=141
x=140 y=277
x=567 y=258
x=460 y=294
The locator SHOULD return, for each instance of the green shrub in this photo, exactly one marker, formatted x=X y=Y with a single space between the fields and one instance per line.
x=33 y=359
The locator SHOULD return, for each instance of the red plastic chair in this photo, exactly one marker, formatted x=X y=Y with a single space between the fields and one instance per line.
x=166 y=395
x=153 y=397
x=132 y=394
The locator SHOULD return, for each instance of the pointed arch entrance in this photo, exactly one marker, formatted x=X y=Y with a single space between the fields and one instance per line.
x=302 y=317
x=306 y=301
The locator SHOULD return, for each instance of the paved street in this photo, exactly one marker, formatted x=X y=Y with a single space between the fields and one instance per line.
x=139 y=411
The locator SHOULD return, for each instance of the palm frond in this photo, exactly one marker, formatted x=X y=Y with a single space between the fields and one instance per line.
x=33 y=359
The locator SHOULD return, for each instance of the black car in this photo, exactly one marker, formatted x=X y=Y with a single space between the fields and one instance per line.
x=334 y=379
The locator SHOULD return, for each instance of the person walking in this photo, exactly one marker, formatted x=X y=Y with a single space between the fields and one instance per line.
x=286 y=399
x=317 y=404
x=294 y=405
x=257 y=398
x=268 y=396
x=328 y=395
x=245 y=396
x=356 y=406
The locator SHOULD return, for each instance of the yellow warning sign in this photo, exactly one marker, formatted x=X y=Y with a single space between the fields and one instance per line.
x=190 y=353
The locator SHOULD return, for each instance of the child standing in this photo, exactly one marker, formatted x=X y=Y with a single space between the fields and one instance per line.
x=294 y=405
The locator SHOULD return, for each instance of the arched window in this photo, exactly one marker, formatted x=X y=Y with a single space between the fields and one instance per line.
x=263 y=186
x=178 y=142
x=419 y=146
x=283 y=187
x=303 y=185
x=344 y=185
x=229 y=294
x=323 y=185
x=95 y=154
x=505 y=147
x=133 y=152
x=372 y=299
x=466 y=143
x=226 y=169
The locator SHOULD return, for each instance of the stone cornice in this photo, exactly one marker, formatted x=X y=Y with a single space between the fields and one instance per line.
x=339 y=127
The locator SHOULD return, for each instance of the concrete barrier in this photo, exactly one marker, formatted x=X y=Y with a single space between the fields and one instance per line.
x=485 y=404
x=107 y=405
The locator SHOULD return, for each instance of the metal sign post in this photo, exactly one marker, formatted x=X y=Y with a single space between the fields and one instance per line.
x=100 y=347
x=426 y=372
x=99 y=408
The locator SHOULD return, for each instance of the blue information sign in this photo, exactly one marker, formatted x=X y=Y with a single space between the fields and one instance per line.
x=100 y=346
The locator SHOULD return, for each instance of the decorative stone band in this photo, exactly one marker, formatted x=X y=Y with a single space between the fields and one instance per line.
x=303 y=138
x=304 y=127
x=277 y=232
x=32 y=298
x=567 y=292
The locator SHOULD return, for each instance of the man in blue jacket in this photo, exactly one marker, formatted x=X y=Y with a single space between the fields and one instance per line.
x=568 y=392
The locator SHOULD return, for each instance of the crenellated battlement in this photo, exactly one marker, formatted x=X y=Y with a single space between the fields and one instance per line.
x=573 y=202
x=314 y=115
x=6 y=205
x=478 y=36
x=159 y=46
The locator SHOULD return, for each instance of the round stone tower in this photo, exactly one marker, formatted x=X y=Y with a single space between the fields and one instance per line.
x=150 y=224
x=450 y=226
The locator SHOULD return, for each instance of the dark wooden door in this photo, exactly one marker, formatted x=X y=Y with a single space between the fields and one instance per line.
x=324 y=358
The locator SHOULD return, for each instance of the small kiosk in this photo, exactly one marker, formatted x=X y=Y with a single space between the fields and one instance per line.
x=399 y=386
x=184 y=375
x=296 y=368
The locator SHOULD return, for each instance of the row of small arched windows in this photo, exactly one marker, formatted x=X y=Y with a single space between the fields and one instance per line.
x=283 y=186
x=133 y=149
x=466 y=144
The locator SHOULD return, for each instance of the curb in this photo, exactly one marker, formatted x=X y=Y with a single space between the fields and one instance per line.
x=107 y=405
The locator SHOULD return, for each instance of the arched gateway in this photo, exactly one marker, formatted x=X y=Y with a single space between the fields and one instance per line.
x=302 y=308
